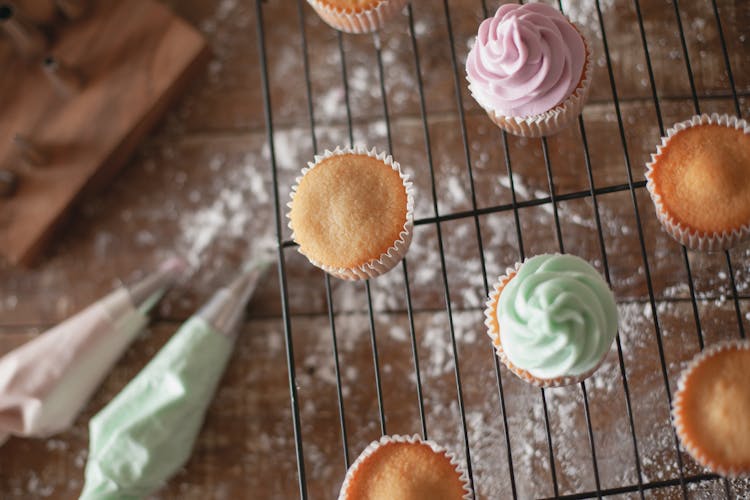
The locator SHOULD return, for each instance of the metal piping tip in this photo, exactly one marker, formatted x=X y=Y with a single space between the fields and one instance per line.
x=146 y=293
x=225 y=309
x=28 y=40
x=66 y=80
x=8 y=183
x=30 y=151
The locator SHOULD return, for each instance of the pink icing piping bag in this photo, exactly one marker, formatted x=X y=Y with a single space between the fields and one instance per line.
x=46 y=382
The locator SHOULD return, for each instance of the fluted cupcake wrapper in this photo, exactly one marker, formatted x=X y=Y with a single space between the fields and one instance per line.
x=413 y=439
x=358 y=21
x=678 y=409
x=692 y=238
x=396 y=251
x=556 y=119
x=493 y=330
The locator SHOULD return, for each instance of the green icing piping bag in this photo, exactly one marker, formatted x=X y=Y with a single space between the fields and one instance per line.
x=147 y=432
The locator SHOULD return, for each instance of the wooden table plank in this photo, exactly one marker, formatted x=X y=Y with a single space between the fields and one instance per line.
x=201 y=186
x=228 y=96
x=247 y=446
x=217 y=212
x=85 y=135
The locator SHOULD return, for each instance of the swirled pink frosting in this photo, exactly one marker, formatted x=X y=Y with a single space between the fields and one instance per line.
x=527 y=59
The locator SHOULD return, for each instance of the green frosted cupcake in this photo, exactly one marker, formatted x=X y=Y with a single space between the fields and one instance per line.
x=552 y=320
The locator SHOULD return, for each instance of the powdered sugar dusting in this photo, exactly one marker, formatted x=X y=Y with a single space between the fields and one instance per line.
x=228 y=217
x=225 y=214
x=585 y=14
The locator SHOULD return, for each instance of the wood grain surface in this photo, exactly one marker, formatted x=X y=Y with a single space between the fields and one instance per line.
x=132 y=57
x=201 y=187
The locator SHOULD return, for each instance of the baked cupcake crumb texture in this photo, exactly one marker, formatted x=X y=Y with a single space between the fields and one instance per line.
x=352 y=5
x=357 y=16
x=352 y=212
x=405 y=467
x=698 y=182
x=712 y=408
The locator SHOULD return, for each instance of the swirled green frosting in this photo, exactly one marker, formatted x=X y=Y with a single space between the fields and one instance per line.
x=557 y=317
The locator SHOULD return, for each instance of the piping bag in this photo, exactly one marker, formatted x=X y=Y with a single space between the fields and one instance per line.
x=46 y=382
x=146 y=433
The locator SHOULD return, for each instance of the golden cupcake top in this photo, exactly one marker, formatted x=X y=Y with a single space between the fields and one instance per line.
x=348 y=210
x=352 y=5
x=405 y=470
x=701 y=175
x=712 y=409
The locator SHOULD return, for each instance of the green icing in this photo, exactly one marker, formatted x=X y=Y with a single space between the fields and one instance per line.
x=146 y=433
x=557 y=317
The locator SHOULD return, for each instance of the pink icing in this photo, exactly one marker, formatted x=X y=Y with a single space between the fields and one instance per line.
x=527 y=59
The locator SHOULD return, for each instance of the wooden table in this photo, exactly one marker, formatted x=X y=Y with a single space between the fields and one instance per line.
x=201 y=187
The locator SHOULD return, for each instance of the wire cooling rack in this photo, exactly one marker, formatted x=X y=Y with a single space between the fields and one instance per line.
x=641 y=486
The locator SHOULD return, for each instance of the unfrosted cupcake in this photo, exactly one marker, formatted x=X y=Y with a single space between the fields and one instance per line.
x=530 y=69
x=552 y=320
x=711 y=408
x=699 y=181
x=352 y=213
x=357 y=16
x=405 y=467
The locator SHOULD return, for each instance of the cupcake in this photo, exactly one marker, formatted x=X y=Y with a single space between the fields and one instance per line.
x=530 y=69
x=552 y=320
x=352 y=213
x=711 y=408
x=357 y=16
x=698 y=181
x=401 y=467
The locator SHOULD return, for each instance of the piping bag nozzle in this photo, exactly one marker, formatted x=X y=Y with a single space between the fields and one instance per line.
x=225 y=309
x=46 y=382
x=146 y=293
x=147 y=432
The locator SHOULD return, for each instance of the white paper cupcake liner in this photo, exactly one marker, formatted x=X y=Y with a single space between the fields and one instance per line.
x=678 y=403
x=414 y=439
x=493 y=330
x=691 y=238
x=556 y=119
x=396 y=251
x=355 y=21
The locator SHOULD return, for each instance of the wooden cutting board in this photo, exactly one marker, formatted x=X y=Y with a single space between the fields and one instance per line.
x=134 y=56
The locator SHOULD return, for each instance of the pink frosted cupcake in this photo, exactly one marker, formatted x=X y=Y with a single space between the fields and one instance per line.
x=530 y=69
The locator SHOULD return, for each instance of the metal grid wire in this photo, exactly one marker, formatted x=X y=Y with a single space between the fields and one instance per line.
x=437 y=219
